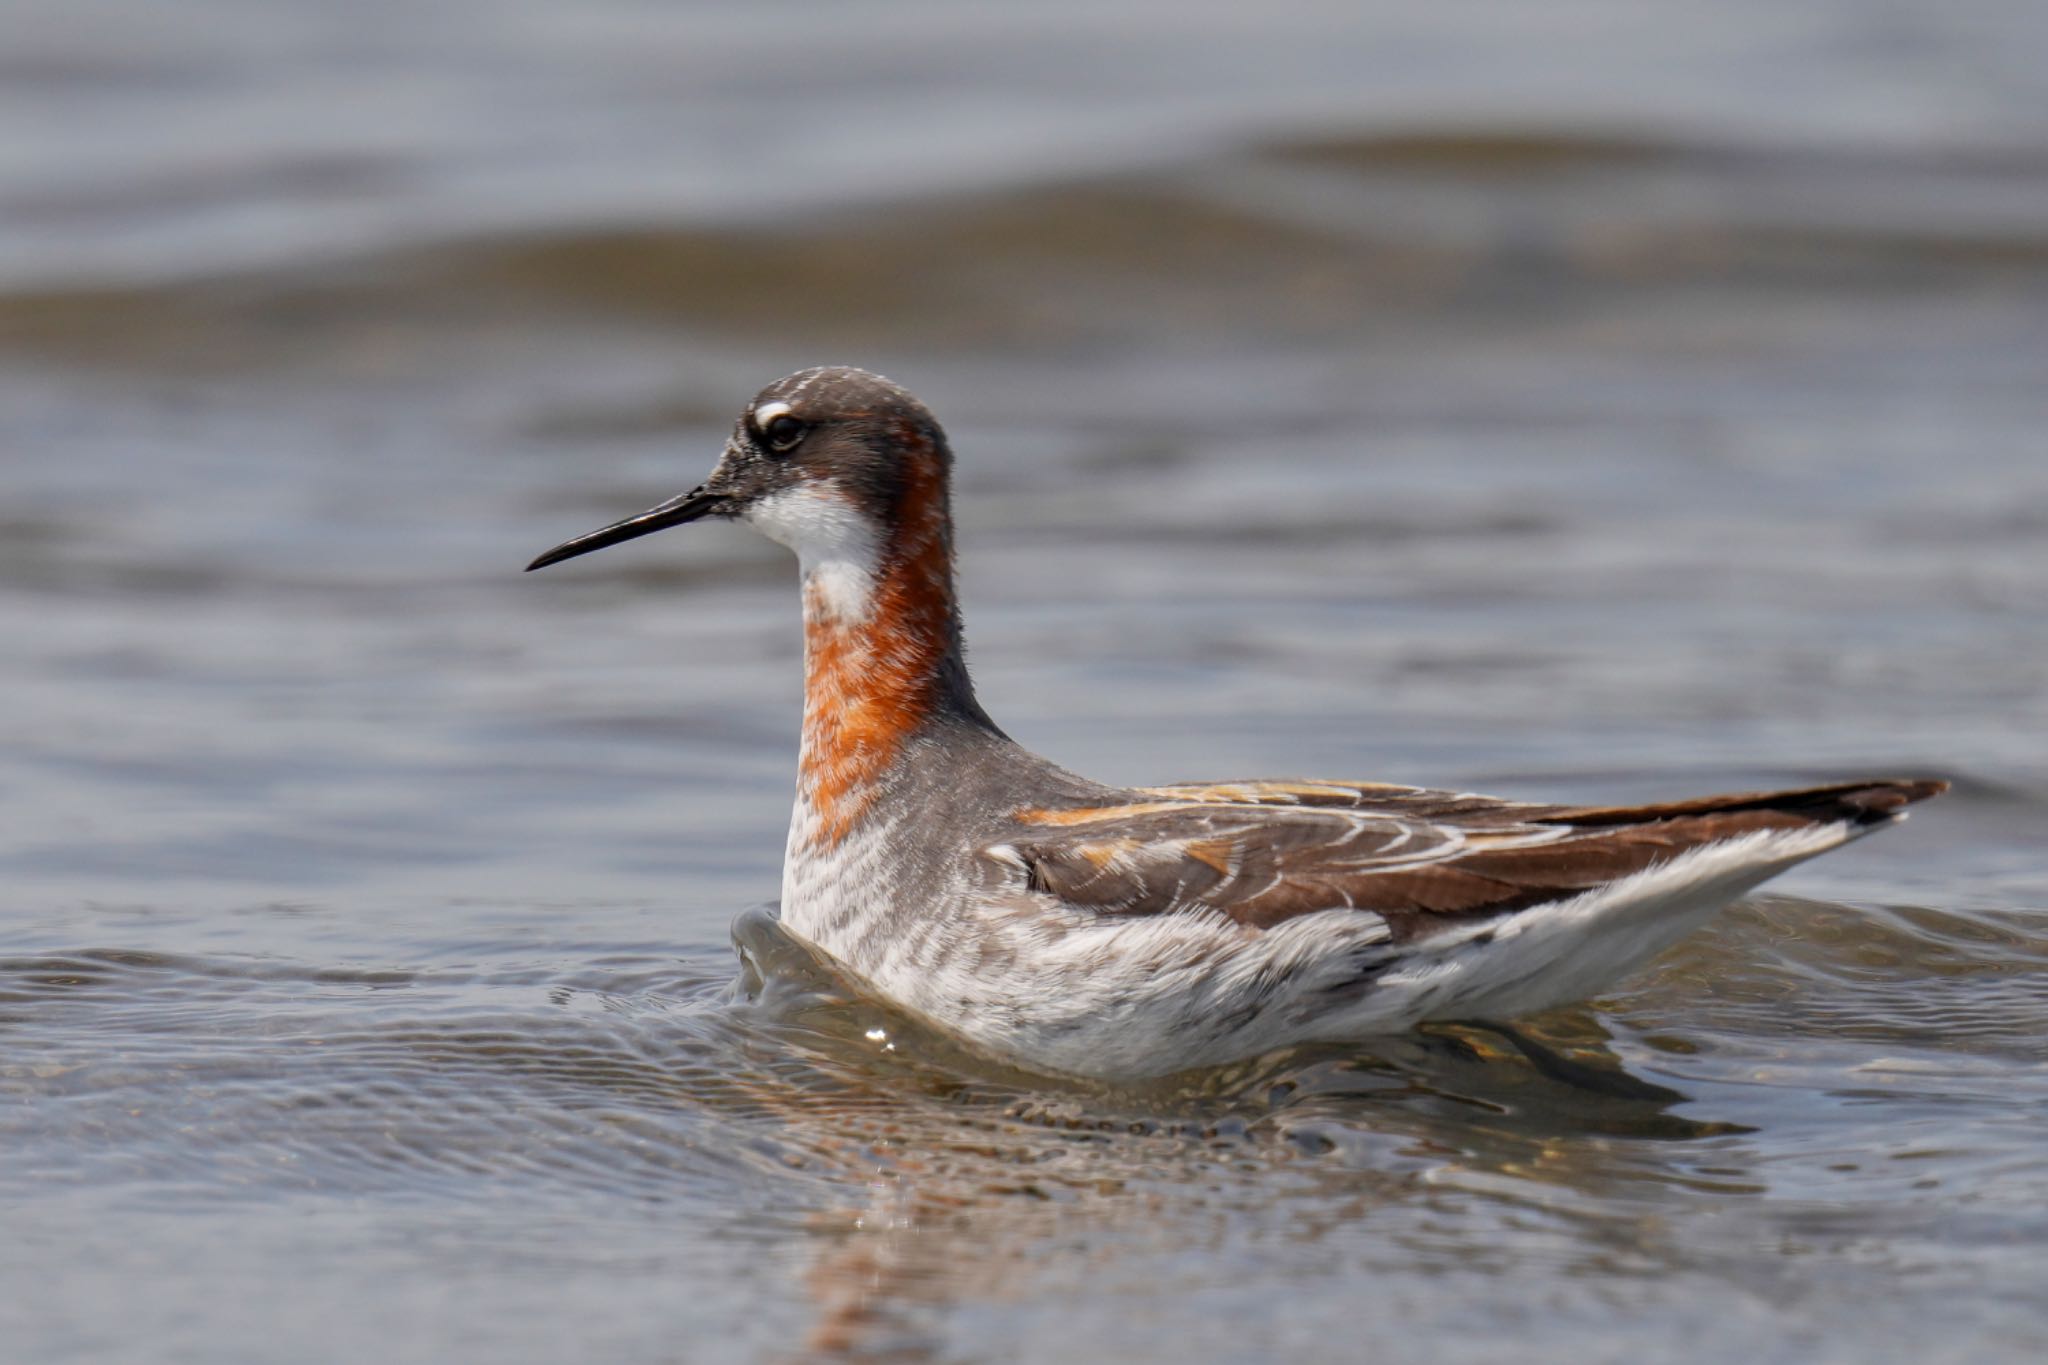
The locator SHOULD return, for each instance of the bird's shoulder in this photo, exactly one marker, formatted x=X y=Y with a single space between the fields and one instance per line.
x=1259 y=851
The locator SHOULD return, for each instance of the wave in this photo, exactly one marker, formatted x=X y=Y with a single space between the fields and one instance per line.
x=1289 y=238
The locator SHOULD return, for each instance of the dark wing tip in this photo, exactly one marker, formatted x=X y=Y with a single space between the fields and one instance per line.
x=1870 y=802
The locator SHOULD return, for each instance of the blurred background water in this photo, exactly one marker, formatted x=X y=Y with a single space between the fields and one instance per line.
x=1588 y=400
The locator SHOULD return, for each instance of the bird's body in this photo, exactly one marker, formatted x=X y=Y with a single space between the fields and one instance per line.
x=1122 y=933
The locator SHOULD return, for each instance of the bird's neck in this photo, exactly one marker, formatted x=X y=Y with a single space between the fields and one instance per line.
x=882 y=657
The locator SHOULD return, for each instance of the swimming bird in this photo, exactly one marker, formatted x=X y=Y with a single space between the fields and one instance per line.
x=1112 y=933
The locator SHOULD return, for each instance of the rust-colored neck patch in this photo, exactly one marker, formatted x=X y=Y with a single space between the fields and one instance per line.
x=871 y=683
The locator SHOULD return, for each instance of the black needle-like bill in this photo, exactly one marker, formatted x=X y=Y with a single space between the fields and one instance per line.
x=689 y=507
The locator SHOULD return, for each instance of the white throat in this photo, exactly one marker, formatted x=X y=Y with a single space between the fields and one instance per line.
x=836 y=546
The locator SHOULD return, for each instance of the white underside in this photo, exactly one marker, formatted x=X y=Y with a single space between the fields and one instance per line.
x=1080 y=993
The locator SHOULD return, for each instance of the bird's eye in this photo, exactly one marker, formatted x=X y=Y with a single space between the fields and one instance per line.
x=782 y=431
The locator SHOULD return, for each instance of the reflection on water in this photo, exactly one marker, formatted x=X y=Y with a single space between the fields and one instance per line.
x=1666 y=1140
x=1594 y=409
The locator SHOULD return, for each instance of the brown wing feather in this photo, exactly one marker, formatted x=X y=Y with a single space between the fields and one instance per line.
x=1265 y=852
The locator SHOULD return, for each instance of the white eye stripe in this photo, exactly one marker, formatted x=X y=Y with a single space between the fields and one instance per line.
x=777 y=427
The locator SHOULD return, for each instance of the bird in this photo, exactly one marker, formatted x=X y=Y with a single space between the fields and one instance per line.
x=1114 y=934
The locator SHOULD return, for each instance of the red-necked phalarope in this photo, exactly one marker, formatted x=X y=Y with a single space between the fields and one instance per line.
x=1123 y=933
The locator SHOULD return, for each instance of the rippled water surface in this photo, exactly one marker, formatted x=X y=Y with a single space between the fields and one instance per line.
x=1599 y=404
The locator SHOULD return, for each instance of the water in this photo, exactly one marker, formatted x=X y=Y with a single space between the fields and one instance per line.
x=1594 y=406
